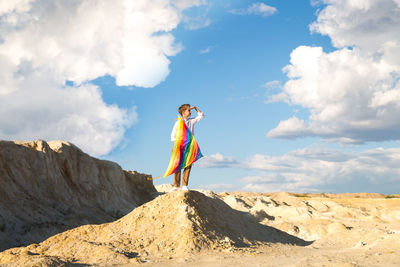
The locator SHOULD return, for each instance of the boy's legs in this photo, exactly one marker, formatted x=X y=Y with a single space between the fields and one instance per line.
x=186 y=173
x=177 y=179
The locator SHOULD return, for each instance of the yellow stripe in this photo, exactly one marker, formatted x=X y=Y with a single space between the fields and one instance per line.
x=176 y=150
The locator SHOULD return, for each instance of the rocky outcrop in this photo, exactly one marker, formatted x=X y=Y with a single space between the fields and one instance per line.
x=49 y=187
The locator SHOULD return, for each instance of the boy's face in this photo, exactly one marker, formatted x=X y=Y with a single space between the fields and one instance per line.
x=186 y=113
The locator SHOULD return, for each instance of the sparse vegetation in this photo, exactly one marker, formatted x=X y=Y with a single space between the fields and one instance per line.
x=392 y=196
x=301 y=195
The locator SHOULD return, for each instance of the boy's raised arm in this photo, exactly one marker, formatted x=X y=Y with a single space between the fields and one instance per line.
x=200 y=114
x=197 y=110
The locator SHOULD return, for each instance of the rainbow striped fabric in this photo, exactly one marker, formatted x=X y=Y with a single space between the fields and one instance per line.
x=185 y=151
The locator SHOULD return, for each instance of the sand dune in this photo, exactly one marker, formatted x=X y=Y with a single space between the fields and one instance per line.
x=41 y=181
x=231 y=229
x=175 y=224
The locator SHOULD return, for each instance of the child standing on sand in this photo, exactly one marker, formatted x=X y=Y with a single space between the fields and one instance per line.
x=184 y=110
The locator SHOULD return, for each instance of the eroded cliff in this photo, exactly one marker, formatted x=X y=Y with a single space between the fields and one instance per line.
x=49 y=187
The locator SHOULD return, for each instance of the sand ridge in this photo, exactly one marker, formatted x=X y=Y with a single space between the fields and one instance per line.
x=172 y=225
x=201 y=228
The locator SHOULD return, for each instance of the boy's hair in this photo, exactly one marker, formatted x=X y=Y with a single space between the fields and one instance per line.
x=182 y=108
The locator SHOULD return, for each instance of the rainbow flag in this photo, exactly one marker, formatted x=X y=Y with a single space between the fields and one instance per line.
x=185 y=151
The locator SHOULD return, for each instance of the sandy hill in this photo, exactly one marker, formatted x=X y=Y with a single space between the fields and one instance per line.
x=232 y=229
x=178 y=223
x=49 y=187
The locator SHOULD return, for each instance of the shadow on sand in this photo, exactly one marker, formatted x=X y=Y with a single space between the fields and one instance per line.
x=217 y=220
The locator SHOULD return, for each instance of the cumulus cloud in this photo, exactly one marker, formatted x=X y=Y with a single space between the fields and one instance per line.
x=258 y=8
x=45 y=45
x=325 y=170
x=216 y=161
x=290 y=128
x=351 y=93
x=83 y=40
x=41 y=110
x=365 y=24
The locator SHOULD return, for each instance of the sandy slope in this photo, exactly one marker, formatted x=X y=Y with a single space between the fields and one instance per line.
x=232 y=229
x=360 y=229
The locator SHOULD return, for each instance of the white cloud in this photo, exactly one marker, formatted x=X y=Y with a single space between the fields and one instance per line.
x=77 y=114
x=265 y=178
x=290 y=128
x=365 y=24
x=218 y=187
x=195 y=23
x=271 y=95
x=206 y=50
x=276 y=98
x=261 y=9
x=275 y=187
x=14 y=6
x=198 y=17
x=216 y=161
x=318 y=169
x=87 y=39
x=273 y=85
x=255 y=9
x=351 y=93
x=45 y=43
x=185 y=4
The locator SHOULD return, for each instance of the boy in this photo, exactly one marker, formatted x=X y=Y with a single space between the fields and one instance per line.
x=184 y=110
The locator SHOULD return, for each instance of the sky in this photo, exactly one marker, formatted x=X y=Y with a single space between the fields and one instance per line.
x=298 y=96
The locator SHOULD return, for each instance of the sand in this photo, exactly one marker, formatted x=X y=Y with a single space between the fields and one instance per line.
x=200 y=228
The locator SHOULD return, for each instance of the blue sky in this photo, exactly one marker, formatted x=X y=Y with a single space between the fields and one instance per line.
x=226 y=84
x=331 y=125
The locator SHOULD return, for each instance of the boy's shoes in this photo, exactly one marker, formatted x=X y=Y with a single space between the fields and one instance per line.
x=174 y=189
x=185 y=188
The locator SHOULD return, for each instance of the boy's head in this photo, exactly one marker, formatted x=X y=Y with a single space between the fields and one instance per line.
x=184 y=110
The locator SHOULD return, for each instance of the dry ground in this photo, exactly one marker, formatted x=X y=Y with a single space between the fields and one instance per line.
x=232 y=229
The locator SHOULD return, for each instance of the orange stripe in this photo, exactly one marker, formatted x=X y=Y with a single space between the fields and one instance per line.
x=194 y=153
